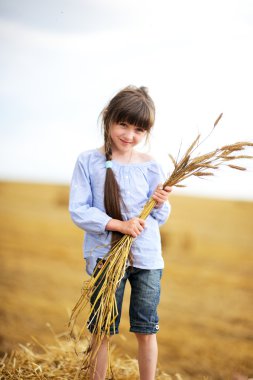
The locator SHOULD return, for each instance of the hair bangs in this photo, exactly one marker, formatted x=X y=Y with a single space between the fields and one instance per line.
x=138 y=114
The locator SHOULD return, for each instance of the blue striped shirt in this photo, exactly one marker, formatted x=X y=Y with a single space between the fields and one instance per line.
x=137 y=182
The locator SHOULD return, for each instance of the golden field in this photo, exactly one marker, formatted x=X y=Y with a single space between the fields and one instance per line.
x=206 y=309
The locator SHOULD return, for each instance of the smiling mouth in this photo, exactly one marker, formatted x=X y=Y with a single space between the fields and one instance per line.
x=126 y=142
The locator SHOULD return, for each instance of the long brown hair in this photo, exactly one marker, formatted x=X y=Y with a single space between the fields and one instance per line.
x=134 y=106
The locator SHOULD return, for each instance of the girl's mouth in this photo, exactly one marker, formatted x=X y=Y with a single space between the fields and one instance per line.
x=126 y=142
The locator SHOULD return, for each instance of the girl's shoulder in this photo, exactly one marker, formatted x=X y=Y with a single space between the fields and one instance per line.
x=89 y=154
x=147 y=161
x=90 y=159
x=151 y=165
x=143 y=157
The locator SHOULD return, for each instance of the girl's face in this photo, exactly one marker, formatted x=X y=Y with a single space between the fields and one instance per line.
x=126 y=136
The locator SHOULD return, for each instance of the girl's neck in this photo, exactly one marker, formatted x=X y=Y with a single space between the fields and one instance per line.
x=125 y=158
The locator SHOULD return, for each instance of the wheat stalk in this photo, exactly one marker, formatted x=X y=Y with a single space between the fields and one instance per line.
x=104 y=282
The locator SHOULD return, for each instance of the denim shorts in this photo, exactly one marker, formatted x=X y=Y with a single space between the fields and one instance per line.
x=144 y=300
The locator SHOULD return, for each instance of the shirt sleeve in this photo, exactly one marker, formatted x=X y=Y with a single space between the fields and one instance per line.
x=157 y=176
x=91 y=219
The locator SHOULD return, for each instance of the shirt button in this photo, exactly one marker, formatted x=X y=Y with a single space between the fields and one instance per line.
x=128 y=192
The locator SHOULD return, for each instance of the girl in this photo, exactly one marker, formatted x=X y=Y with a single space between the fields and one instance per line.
x=110 y=185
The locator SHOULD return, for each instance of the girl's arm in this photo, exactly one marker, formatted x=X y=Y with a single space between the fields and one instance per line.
x=90 y=219
x=162 y=211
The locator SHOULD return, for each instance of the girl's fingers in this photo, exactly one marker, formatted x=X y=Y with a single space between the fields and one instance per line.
x=161 y=196
x=136 y=226
x=168 y=188
x=139 y=229
x=142 y=222
x=163 y=193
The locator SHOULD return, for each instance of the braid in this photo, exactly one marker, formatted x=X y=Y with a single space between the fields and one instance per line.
x=108 y=147
x=112 y=196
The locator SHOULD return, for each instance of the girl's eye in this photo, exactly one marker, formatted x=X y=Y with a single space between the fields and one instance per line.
x=140 y=130
x=122 y=124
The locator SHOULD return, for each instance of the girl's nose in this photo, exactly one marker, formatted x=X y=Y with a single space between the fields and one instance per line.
x=129 y=135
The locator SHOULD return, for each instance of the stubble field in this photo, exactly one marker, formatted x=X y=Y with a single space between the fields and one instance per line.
x=206 y=309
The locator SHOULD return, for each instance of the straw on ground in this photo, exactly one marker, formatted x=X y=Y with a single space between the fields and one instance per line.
x=58 y=361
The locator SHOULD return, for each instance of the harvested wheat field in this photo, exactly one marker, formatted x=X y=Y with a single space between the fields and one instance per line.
x=206 y=310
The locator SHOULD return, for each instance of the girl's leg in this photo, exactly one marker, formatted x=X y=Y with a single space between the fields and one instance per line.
x=145 y=295
x=99 y=363
x=147 y=355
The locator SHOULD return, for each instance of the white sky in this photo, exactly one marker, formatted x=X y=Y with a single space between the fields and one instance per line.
x=62 y=60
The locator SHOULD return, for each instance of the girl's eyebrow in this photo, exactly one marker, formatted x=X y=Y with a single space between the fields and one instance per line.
x=136 y=127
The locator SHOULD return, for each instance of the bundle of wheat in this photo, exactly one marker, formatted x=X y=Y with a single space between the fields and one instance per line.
x=103 y=283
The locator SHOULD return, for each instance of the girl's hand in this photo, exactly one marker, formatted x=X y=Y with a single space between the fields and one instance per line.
x=161 y=195
x=132 y=227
